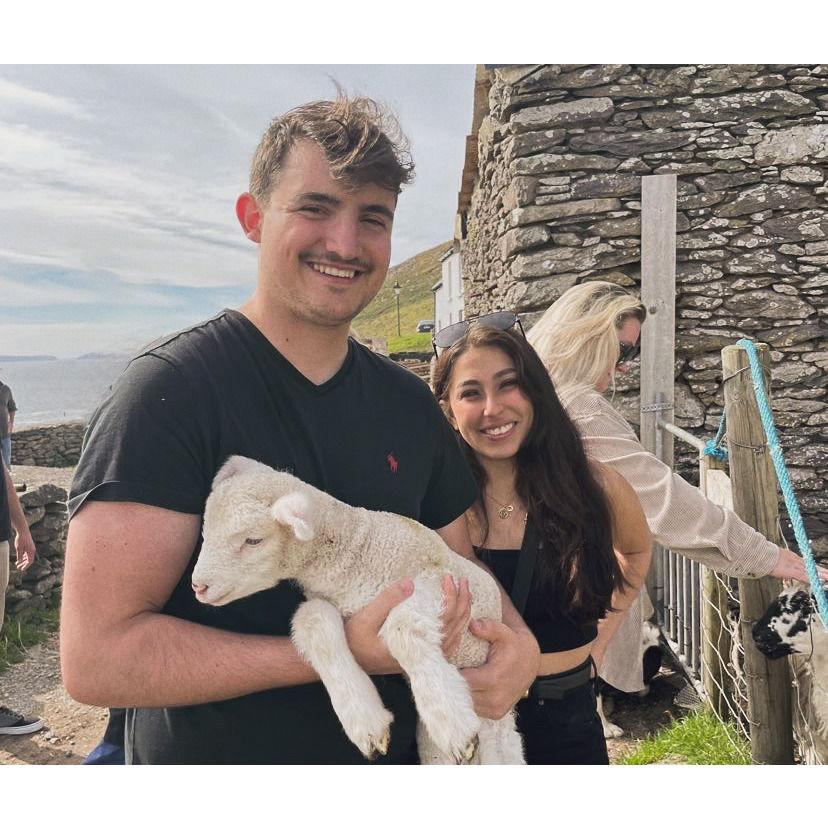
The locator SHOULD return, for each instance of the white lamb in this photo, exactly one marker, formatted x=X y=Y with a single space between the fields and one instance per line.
x=263 y=526
x=792 y=626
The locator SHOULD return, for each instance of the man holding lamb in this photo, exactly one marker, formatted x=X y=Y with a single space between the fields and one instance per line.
x=280 y=381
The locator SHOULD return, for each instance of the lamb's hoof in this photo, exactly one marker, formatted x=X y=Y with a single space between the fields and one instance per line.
x=373 y=740
x=612 y=731
x=464 y=756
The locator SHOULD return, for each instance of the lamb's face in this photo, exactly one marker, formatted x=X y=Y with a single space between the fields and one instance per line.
x=249 y=538
x=785 y=627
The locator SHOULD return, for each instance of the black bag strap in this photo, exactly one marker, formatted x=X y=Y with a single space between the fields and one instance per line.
x=527 y=558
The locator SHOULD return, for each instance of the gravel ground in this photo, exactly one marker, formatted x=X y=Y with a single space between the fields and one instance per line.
x=34 y=687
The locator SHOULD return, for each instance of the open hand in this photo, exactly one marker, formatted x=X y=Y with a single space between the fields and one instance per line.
x=790 y=565
x=456 y=613
x=511 y=667
x=25 y=547
x=362 y=630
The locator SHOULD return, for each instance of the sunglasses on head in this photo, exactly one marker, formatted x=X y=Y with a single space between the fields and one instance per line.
x=501 y=320
x=628 y=352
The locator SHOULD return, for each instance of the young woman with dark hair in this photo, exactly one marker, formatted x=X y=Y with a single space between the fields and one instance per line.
x=594 y=545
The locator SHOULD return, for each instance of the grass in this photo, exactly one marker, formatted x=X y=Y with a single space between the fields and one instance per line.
x=21 y=633
x=698 y=739
x=415 y=277
x=415 y=343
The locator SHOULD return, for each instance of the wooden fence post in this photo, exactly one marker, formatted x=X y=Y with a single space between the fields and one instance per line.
x=755 y=501
x=658 y=295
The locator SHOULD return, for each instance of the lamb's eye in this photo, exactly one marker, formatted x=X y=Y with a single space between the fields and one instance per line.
x=253 y=541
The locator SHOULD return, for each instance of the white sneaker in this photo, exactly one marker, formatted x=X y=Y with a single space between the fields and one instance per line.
x=13 y=724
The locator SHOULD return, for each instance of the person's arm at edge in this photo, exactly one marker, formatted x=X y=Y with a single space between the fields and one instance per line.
x=514 y=655
x=118 y=649
x=632 y=543
x=24 y=544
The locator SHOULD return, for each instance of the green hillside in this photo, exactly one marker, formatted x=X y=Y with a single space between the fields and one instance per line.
x=416 y=276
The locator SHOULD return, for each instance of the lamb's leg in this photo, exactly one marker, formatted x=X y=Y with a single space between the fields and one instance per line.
x=318 y=633
x=500 y=742
x=427 y=748
x=611 y=731
x=413 y=635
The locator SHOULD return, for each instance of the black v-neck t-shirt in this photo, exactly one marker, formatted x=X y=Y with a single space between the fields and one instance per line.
x=371 y=436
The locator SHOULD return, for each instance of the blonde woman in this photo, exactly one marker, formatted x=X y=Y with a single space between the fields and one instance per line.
x=587 y=336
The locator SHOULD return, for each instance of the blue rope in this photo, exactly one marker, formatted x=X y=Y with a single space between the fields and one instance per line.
x=784 y=479
x=712 y=447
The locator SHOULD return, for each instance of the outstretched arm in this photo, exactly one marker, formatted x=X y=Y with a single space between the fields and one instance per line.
x=680 y=517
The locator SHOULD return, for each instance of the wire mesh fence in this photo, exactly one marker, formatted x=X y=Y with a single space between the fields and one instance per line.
x=699 y=612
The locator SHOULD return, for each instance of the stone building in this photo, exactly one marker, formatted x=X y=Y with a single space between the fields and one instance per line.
x=551 y=197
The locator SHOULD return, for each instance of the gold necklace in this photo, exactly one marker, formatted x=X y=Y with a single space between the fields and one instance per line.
x=505 y=510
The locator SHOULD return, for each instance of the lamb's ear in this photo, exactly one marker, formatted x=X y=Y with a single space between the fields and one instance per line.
x=237 y=465
x=294 y=510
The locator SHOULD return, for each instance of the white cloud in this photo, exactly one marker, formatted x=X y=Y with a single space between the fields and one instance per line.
x=13 y=94
x=129 y=174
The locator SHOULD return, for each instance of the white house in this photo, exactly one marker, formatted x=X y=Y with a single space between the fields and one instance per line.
x=448 y=291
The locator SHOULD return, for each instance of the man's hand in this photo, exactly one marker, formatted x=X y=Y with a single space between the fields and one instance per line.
x=457 y=604
x=790 y=565
x=362 y=630
x=25 y=548
x=511 y=667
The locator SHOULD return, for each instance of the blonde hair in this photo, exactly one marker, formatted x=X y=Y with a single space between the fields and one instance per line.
x=577 y=336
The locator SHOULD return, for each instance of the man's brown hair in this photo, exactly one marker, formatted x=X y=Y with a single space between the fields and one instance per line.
x=362 y=142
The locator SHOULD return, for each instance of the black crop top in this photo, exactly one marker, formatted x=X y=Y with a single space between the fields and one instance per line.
x=554 y=631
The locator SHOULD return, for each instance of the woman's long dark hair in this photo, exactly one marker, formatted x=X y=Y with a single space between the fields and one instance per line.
x=577 y=568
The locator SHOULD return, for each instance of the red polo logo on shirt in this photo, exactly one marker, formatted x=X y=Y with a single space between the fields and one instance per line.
x=392 y=462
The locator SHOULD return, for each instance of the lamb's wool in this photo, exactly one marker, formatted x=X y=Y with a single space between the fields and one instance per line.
x=263 y=526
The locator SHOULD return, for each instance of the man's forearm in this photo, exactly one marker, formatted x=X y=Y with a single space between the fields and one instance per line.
x=157 y=660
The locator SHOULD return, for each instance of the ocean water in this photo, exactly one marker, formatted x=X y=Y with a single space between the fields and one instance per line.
x=52 y=391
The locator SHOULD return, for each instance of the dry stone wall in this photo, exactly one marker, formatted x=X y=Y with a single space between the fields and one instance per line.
x=54 y=445
x=39 y=586
x=560 y=156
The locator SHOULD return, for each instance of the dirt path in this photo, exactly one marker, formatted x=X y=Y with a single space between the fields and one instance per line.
x=73 y=729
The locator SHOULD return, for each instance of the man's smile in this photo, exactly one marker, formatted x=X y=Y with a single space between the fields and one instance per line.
x=332 y=270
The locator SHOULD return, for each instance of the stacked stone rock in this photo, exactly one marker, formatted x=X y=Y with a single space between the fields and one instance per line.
x=39 y=586
x=561 y=153
x=57 y=445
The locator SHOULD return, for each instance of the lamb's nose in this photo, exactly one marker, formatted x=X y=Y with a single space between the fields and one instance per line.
x=199 y=589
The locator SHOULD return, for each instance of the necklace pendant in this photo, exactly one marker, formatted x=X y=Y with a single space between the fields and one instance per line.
x=506 y=511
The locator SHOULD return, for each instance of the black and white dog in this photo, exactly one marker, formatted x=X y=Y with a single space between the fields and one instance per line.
x=650 y=665
x=788 y=627
x=791 y=626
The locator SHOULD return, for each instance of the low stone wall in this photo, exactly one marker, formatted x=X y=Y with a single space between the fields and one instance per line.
x=39 y=586
x=54 y=445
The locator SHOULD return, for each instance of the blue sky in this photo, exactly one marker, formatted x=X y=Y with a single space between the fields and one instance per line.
x=117 y=219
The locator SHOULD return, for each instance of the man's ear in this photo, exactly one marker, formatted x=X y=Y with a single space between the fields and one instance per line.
x=294 y=510
x=249 y=215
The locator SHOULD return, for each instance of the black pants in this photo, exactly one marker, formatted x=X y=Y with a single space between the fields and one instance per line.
x=563 y=731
